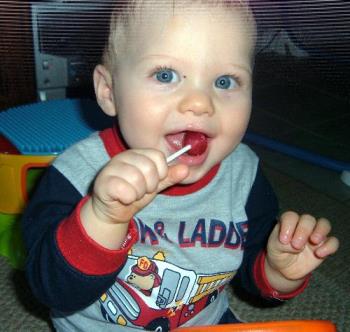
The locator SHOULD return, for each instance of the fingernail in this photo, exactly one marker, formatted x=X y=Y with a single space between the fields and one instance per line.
x=284 y=238
x=317 y=238
x=321 y=252
x=297 y=243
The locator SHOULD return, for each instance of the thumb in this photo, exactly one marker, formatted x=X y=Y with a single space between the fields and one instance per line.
x=176 y=174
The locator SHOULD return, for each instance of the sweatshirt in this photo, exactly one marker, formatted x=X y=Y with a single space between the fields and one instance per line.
x=180 y=254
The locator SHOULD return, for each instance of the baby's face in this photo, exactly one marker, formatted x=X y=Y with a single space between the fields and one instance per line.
x=186 y=72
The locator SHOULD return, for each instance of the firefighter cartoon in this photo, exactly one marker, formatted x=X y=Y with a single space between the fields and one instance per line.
x=159 y=295
x=144 y=276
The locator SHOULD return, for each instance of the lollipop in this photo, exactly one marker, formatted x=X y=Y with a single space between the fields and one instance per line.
x=194 y=143
x=178 y=153
x=198 y=142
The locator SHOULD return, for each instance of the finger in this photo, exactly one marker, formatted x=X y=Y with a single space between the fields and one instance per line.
x=147 y=168
x=288 y=222
x=176 y=174
x=146 y=158
x=329 y=247
x=322 y=229
x=134 y=176
x=275 y=244
x=303 y=231
x=120 y=190
x=121 y=169
x=153 y=169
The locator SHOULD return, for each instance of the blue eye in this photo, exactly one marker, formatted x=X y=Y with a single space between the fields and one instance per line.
x=226 y=82
x=166 y=75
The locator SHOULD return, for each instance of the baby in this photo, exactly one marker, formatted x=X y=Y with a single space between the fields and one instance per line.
x=117 y=238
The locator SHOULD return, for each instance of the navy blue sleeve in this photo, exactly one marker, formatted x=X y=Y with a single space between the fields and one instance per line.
x=52 y=279
x=262 y=210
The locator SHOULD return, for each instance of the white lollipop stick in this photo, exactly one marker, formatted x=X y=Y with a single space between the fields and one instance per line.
x=178 y=153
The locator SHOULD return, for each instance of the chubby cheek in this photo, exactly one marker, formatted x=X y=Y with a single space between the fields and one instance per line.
x=140 y=127
x=233 y=128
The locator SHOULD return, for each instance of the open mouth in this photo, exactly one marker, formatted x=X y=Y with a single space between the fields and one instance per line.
x=197 y=140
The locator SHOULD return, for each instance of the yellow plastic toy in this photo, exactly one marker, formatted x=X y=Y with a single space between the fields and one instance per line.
x=18 y=176
x=31 y=136
x=13 y=171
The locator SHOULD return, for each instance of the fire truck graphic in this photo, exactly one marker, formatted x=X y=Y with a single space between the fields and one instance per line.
x=175 y=297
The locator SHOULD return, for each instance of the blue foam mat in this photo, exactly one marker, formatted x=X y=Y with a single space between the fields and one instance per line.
x=52 y=126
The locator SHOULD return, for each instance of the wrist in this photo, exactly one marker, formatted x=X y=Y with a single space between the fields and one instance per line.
x=110 y=235
x=99 y=212
x=268 y=288
x=278 y=281
x=83 y=252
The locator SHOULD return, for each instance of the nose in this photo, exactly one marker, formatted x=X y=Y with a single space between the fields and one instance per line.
x=197 y=102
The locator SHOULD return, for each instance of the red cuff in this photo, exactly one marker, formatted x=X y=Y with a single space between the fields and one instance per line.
x=264 y=285
x=86 y=255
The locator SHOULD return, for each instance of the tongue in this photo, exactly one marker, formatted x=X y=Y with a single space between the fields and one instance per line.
x=198 y=142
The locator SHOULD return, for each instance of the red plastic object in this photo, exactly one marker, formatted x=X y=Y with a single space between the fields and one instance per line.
x=281 y=326
x=6 y=146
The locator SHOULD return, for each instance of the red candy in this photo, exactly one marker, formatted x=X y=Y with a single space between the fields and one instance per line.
x=198 y=142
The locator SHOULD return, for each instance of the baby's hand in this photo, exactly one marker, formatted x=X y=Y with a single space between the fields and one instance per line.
x=130 y=181
x=299 y=244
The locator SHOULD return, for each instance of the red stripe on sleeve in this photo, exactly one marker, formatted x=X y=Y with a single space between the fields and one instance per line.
x=86 y=255
x=264 y=285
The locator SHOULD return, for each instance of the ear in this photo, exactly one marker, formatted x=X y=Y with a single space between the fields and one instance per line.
x=103 y=85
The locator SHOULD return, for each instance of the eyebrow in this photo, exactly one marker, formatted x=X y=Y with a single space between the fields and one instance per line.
x=158 y=55
x=244 y=68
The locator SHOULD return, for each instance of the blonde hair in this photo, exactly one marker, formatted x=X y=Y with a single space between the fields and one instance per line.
x=127 y=12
